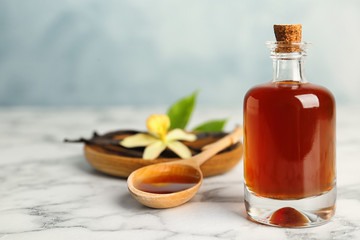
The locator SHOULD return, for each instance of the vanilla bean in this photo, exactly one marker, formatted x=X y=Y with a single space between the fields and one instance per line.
x=108 y=143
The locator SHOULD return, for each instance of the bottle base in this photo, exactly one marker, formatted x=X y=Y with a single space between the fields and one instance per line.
x=298 y=213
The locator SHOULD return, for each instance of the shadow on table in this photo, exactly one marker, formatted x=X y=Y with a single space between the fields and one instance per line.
x=232 y=199
x=232 y=203
x=126 y=201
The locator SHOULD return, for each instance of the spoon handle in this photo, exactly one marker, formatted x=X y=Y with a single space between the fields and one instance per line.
x=213 y=148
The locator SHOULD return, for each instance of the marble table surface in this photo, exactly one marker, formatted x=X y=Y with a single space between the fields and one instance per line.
x=49 y=191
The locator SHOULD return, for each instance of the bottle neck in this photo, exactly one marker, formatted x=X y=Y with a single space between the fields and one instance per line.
x=288 y=67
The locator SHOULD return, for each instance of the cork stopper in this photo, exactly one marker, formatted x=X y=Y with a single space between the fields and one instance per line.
x=286 y=35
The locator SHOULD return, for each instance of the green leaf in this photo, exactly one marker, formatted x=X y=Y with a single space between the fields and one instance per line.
x=211 y=126
x=180 y=112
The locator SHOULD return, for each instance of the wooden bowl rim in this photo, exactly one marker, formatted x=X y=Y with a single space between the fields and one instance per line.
x=92 y=148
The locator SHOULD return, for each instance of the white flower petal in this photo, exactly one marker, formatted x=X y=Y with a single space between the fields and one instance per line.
x=153 y=150
x=178 y=134
x=179 y=148
x=138 y=140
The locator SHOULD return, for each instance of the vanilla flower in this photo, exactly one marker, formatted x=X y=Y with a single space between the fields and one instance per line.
x=158 y=138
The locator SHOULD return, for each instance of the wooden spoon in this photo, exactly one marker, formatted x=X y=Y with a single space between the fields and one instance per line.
x=171 y=184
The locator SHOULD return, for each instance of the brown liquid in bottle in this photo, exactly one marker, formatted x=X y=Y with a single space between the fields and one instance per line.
x=289 y=137
x=168 y=183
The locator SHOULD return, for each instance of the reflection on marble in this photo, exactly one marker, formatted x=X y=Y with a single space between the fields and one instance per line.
x=49 y=191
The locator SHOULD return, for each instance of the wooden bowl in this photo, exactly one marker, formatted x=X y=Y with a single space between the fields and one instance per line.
x=122 y=165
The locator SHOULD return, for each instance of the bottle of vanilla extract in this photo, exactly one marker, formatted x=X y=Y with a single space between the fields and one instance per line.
x=289 y=140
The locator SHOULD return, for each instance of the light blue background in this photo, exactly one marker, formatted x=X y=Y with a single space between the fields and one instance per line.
x=145 y=52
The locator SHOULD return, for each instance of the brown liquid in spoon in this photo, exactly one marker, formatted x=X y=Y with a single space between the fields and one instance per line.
x=169 y=179
x=167 y=184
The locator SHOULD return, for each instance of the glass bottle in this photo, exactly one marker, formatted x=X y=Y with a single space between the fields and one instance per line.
x=289 y=139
